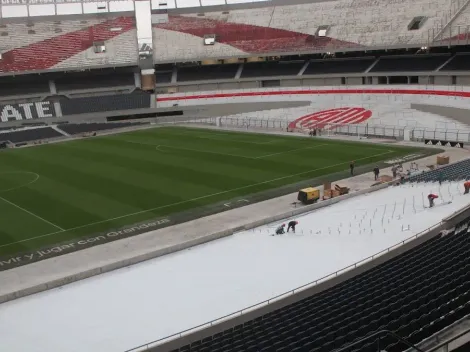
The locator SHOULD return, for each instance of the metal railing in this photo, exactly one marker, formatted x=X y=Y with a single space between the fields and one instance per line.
x=376 y=130
x=448 y=341
x=241 y=312
x=378 y=335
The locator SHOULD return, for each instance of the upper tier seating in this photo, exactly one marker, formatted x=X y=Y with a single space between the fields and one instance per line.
x=409 y=63
x=67 y=44
x=94 y=127
x=105 y=78
x=460 y=62
x=24 y=85
x=207 y=72
x=29 y=135
x=415 y=294
x=272 y=68
x=163 y=76
x=136 y=100
x=354 y=65
x=292 y=28
x=459 y=30
x=453 y=172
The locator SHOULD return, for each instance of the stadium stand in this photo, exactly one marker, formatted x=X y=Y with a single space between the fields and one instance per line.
x=407 y=63
x=163 y=76
x=29 y=135
x=350 y=65
x=460 y=28
x=104 y=78
x=415 y=294
x=293 y=28
x=460 y=62
x=23 y=85
x=73 y=128
x=272 y=68
x=67 y=44
x=456 y=171
x=207 y=72
x=136 y=100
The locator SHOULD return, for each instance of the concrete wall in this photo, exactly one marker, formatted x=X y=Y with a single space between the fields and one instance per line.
x=291 y=82
x=425 y=80
x=463 y=80
x=443 y=80
x=460 y=114
x=354 y=81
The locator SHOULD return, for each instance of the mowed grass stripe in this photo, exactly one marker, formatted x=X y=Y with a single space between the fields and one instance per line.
x=173 y=174
x=12 y=229
x=136 y=182
x=194 y=167
x=58 y=185
x=118 y=183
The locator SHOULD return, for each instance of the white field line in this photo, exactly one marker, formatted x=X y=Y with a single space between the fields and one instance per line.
x=197 y=151
x=31 y=213
x=289 y=151
x=224 y=139
x=195 y=199
x=20 y=186
x=224 y=154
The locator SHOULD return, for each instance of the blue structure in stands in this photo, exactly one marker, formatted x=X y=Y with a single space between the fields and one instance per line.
x=454 y=172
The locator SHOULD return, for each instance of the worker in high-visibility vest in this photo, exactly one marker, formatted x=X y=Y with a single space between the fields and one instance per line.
x=466 y=185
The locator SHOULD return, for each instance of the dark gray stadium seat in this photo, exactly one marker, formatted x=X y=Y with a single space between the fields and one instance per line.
x=460 y=62
x=30 y=135
x=329 y=66
x=419 y=62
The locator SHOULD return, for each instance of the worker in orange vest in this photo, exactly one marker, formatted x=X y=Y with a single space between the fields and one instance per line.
x=466 y=185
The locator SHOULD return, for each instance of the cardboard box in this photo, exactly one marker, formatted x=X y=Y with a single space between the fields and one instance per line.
x=442 y=160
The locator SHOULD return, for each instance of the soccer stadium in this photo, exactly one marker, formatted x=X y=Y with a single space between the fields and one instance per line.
x=235 y=175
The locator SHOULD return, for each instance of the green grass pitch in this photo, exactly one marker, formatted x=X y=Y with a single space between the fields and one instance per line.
x=58 y=192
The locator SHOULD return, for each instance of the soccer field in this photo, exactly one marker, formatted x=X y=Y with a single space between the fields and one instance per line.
x=58 y=192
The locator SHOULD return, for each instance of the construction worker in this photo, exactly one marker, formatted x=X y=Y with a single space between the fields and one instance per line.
x=466 y=185
x=291 y=225
x=281 y=229
x=440 y=177
x=351 y=167
x=376 y=173
x=431 y=198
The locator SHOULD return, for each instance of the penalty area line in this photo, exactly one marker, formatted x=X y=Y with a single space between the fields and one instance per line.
x=192 y=199
x=32 y=214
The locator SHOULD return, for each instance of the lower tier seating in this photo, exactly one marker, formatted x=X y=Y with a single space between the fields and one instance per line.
x=460 y=62
x=94 y=127
x=29 y=135
x=453 y=172
x=353 y=65
x=207 y=72
x=410 y=63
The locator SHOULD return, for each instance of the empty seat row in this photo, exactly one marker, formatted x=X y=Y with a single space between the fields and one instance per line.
x=453 y=172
